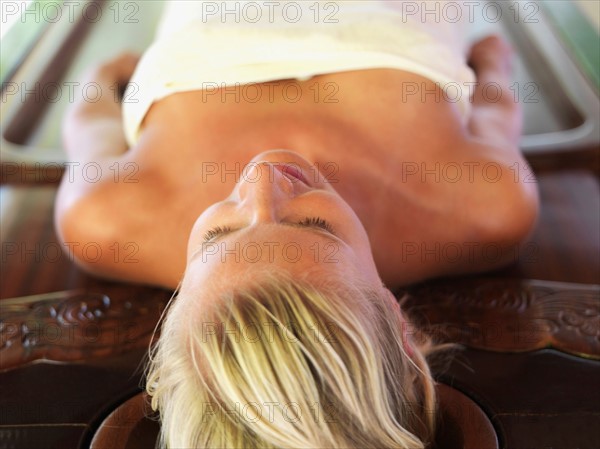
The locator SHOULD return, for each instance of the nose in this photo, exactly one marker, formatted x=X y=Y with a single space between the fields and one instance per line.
x=264 y=191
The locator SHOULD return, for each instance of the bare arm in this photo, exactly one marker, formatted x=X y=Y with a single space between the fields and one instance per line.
x=475 y=222
x=93 y=135
x=495 y=128
x=503 y=203
x=93 y=131
x=496 y=117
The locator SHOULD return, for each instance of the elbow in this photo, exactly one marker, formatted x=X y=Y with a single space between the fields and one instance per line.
x=85 y=243
x=508 y=216
x=76 y=245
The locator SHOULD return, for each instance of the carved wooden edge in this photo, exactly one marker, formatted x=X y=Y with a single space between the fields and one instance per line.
x=73 y=326
x=509 y=315
x=493 y=314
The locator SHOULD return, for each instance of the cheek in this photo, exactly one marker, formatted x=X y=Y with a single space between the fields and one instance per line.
x=190 y=248
x=195 y=239
x=202 y=223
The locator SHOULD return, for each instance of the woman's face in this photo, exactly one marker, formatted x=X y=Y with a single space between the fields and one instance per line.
x=282 y=215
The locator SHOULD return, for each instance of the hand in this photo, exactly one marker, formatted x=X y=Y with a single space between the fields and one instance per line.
x=496 y=116
x=111 y=77
x=492 y=54
x=94 y=129
x=117 y=70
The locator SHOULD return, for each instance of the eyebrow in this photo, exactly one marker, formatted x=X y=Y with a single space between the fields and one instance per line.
x=315 y=230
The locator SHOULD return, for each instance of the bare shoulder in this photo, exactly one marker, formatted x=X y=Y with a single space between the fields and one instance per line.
x=87 y=219
x=110 y=227
x=454 y=204
x=502 y=189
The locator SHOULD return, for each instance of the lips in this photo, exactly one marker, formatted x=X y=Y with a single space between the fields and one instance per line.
x=292 y=171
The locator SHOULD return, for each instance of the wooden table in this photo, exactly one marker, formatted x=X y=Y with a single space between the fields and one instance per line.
x=531 y=336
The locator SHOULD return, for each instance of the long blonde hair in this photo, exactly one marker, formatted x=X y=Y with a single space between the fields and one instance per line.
x=288 y=364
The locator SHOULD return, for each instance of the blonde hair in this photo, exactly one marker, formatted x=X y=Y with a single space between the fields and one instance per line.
x=287 y=364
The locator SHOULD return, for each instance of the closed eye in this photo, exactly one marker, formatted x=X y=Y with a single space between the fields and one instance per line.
x=314 y=222
x=318 y=223
x=215 y=232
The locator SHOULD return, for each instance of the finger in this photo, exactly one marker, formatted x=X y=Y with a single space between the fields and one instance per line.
x=491 y=59
x=496 y=115
x=117 y=70
x=124 y=65
x=492 y=52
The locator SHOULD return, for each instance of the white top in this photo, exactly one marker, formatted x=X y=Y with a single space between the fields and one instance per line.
x=203 y=45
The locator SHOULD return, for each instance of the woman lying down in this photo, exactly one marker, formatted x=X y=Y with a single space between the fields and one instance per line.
x=284 y=169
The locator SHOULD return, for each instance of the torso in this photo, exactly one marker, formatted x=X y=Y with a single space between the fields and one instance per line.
x=359 y=127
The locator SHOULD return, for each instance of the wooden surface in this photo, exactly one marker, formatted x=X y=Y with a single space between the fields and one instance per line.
x=530 y=355
x=461 y=423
